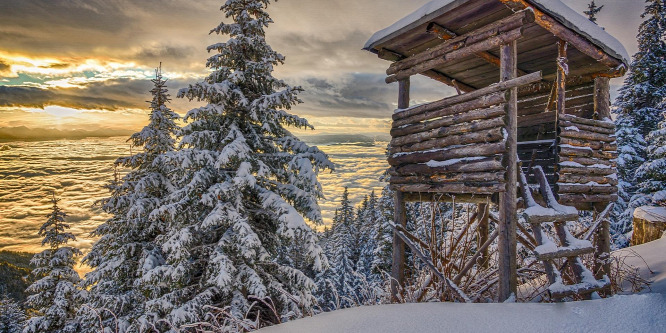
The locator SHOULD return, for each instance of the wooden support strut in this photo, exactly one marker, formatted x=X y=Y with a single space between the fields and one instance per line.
x=400 y=216
x=508 y=200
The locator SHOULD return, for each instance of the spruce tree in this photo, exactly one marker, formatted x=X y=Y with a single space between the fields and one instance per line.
x=54 y=296
x=127 y=256
x=592 y=11
x=12 y=316
x=245 y=186
x=638 y=105
x=652 y=174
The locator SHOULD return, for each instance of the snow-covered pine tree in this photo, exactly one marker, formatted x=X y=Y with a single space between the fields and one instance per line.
x=246 y=186
x=638 y=104
x=12 y=316
x=384 y=234
x=342 y=247
x=631 y=149
x=54 y=296
x=367 y=218
x=124 y=257
x=652 y=174
x=592 y=11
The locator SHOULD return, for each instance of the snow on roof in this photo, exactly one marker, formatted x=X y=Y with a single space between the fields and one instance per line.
x=651 y=213
x=558 y=10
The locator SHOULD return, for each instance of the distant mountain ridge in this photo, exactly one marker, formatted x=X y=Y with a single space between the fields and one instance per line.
x=326 y=139
x=25 y=133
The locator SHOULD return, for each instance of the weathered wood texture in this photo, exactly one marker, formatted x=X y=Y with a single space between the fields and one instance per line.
x=587 y=152
x=475 y=42
x=400 y=215
x=456 y=145
x=508 y=199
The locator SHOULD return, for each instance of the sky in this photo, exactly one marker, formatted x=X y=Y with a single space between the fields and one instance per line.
x=86 y=64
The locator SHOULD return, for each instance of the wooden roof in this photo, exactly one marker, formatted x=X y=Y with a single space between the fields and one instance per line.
x=537 y=49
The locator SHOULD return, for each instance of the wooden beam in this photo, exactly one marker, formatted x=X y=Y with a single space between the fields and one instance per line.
x=508 y=278
x=446 y=34
x=433 y=74
x=400 y=215
x=562 y=32
x=602 y=98
x=483 y=230
x=562 y=72
x=457 y=54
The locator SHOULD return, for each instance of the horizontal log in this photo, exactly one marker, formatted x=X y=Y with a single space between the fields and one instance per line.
x=593 y=129
x=485 y=149
x=545 y=87
x=587 y=171
x=537 y=119
x=584 y=179
x=495 y=88
x=586 y=198
x=585 y=135
x=491 y=135
x=584 y=188
x=456 y=109
x=433 y=74
x=582 y=152
x=509 y=23
x=450 y=188
x=442 y=197
x=577 y=289
x=448 y=131
x=597 y=145
x=462 y=165
x=586 y=161
x=589 y=122
x=465 y=117
x=462 y=52
x=483 y=177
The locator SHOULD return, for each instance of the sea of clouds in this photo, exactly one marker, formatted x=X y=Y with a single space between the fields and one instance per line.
x=77 y=170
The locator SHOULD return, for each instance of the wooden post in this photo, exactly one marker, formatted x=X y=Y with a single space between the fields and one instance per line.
x=400 y=214
x=508 y=199
x=602 y=250
x=482 y=213
x=602 y=98
x=561 y=76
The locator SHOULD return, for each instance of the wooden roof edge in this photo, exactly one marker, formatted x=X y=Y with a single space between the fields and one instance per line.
x=566 y=30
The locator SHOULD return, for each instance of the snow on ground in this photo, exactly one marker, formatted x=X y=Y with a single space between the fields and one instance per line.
x=654 y=255
x=621 y=313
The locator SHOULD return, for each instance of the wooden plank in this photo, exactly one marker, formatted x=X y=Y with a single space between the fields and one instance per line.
x=586 y=198
x=464 y=107
x=485 y=149
x=481 y=177
x=447 y=131
x=517 y=82
x=508 y=200
x=463 y=165
x=590 y=122
x=594 y=129
x=586 y=178
x=588 y=171
x=598 y=145
x=461 y=188
x=478 y=114
x=564 y=188
x=585 y=135
x=485 y=136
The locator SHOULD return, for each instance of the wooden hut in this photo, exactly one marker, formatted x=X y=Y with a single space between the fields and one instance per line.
x=533 y=99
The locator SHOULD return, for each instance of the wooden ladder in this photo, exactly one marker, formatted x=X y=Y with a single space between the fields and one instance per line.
x=570 y=247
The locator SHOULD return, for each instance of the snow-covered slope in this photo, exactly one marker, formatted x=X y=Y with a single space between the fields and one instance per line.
x=623 y=313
